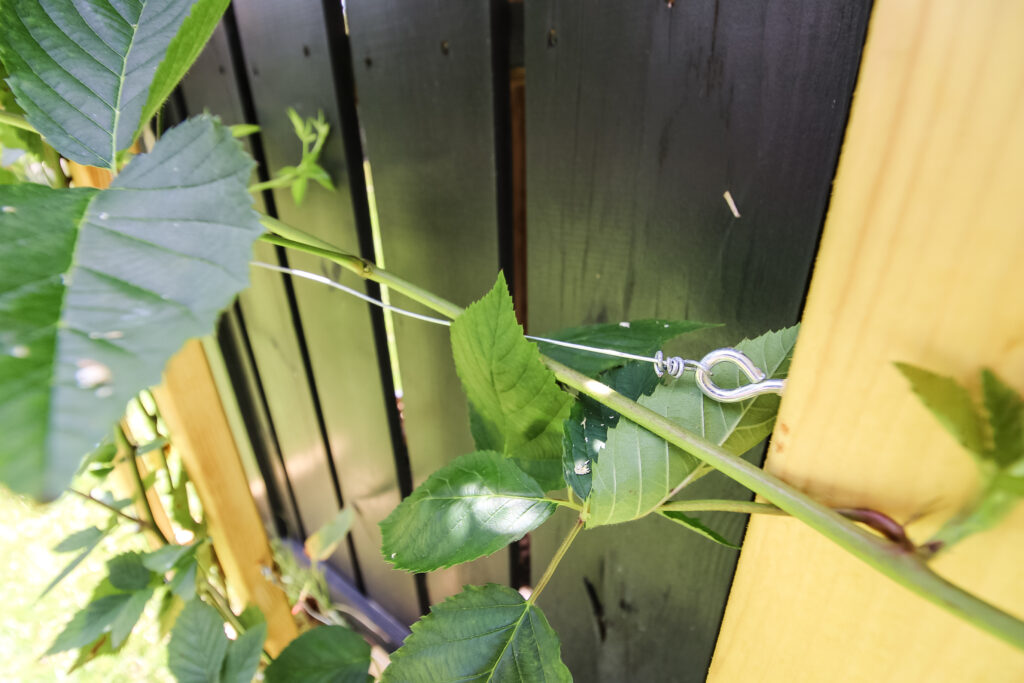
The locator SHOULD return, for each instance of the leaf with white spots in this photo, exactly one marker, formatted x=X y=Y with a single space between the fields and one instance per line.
x=99 y=288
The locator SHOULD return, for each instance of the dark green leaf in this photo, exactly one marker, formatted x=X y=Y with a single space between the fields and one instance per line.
x=516 y=397
x=243 y=657
x=637 y=470
x=640 y=337
x=105 y=286
x=198 y=644
x=82 y=72
x=11 y=137
x=472 y=507
x=127 y=572
x=586 y=430
x=83 y=538
x=694 y=524
x=327 y=654
x=162 y=559
x=1006 y=417
x=485 y=633
x=325 y=540
x=951 y=404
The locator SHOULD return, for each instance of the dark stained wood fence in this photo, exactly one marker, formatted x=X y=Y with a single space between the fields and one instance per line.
x=638 y=117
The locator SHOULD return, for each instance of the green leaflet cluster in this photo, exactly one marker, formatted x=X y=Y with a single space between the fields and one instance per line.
x=992 y=433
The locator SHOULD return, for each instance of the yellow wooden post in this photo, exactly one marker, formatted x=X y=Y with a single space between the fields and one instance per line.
x=190 y=405
x=922 y=261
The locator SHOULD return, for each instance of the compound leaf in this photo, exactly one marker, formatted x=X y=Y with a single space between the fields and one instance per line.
x=83 y=71
x=516 y=399
x=104 y=286
x=485 y=633
x=640 y=337
x=472 y=507
x=1006 y=417
x=637 y=469
x=327 y=654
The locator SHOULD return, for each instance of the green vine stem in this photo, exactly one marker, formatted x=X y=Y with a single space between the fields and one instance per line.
x=140 y=486
x=556 y=560
x=893 y=560
x=134 y=520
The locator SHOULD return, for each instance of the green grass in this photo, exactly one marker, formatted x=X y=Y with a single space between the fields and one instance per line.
x=28 y=625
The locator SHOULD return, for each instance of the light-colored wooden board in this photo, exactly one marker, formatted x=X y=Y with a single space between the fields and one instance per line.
x=922 y=261
x=191 y=406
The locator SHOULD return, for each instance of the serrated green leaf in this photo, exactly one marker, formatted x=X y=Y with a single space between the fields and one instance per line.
x=243 y=656
x=198 y=644
x=472 y=507
x=327 y=654
x=485 y=633
x=162 y=559
x=82 y=71
x=126 y=572
x=11 y=137
x=181 y=53
x=697 y=526
x=951 y=404
x=1006 y=417
x=637 y=470
x=104 y=287
x=640 y=337
x=325 y=540
x=515 y=396
x=586 y=431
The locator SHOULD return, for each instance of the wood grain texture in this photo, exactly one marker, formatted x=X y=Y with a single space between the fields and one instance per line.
x=288 y=64
x=920 y=262
x=639 y=118
x=191 y=406
x=424 y=78
x=211 y=85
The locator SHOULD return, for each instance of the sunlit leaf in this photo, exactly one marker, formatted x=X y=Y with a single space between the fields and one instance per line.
x=198 y=644
x=472 y=507
x=325 y=540
x=516 y=398
x=950 y=403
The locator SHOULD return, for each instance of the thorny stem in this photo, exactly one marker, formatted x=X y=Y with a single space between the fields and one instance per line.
x=553 y=565
x=135 y=520
x=891 y=559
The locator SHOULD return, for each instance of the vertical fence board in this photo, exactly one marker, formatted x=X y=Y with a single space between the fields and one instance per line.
x=423 y=72
x=210 y=85
x=920 y=262
x=639 y=118
x=288 y=64
x=192 y=408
